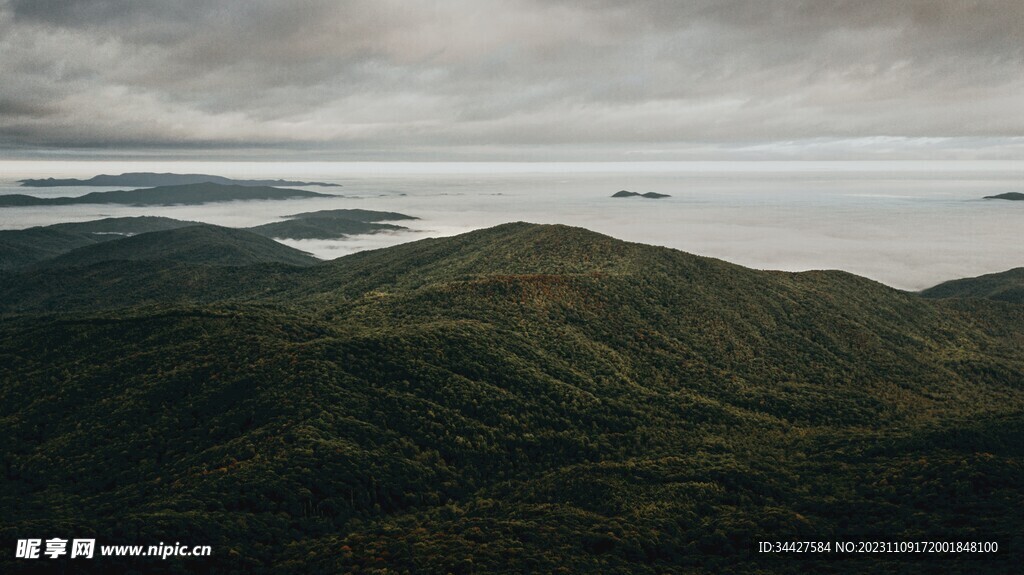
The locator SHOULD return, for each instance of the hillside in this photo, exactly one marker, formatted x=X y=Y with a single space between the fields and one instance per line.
x=521 y=399
x=188 y=194
x=19 y=248
x=150 y=179
x=199 y=244
x=1004 y=286
x=22 y=248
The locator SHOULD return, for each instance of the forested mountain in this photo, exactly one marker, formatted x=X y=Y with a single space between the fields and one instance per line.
x=198 y=244
x=188 y=194
x=521 y=399
x=1003 y=286
x=19 y=248
x=22 y=248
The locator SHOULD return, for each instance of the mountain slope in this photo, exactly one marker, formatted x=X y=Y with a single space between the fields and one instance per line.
x=519 y=399
x=198 y=244
x=126 y=226
x=1004 y=286
x=354 y=214
x=19 y=248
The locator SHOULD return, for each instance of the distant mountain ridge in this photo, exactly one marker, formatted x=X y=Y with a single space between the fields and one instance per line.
x=152 y=179
x=354 y=214
x=186 y=194
x=331 y=224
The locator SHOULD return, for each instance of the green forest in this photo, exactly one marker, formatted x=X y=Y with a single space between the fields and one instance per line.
x=520 y=399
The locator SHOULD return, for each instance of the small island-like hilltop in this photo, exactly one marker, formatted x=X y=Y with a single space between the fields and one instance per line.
x=628 y=194
x=1017 y=196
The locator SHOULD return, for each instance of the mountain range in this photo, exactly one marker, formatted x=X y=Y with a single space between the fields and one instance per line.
x=150 y=180
x=31 y=246
x=186 y=194
x=520 y=399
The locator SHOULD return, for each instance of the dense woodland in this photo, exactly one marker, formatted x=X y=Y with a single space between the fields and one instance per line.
x=521 y=399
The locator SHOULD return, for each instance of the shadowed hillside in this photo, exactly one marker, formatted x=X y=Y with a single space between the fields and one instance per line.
x=1004 y=286
x=197 y=244
x=19 y=248
x=22 y=248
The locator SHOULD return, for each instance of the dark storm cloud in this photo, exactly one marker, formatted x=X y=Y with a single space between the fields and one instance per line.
x=458 y=75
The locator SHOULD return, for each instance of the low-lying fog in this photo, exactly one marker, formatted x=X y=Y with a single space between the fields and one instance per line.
x=907 y=224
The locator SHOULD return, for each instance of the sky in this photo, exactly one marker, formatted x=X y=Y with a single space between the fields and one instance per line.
x=513 y=80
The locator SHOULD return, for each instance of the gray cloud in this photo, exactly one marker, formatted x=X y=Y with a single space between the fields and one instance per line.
x=400 y=79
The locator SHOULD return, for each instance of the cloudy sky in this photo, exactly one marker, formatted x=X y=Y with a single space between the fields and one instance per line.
x=513 y=79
